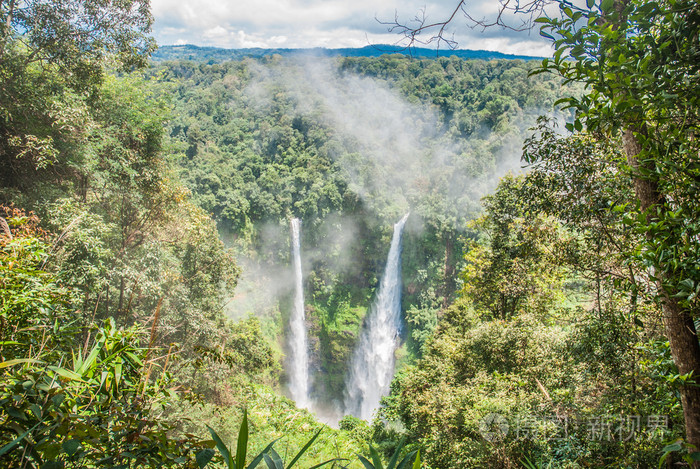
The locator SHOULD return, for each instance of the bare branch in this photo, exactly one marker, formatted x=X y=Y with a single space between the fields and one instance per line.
x=514 y=15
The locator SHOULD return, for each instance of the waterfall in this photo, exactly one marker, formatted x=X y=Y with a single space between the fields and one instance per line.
x=298 y=354
x=372 y=365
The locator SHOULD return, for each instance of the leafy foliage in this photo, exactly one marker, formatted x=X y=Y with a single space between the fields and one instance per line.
x=73 y=394
x=642 y=79
x=255 y=152
x=522 y=261
x=412 y=459
x=52 y=55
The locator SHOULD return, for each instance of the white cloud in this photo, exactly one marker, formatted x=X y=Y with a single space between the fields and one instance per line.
x=278 y=40
x=244 y=41
x=216 y=33
x=319 y=23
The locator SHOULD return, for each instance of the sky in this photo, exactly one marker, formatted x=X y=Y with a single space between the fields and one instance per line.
x=325 y=23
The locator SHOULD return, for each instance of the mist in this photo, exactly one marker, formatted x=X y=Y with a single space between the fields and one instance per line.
x=397 y=154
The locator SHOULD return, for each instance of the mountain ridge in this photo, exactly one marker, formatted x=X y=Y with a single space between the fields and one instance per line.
x=216 y=54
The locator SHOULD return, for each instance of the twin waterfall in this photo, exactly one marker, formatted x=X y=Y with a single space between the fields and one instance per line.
x=298 y=343
x=372 y=366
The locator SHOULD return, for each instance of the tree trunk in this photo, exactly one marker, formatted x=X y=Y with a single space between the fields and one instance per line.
x=682 y=337
x=678 y=322
x=10 y=14
x=122 y=286
x=5 y=228
x=6 y=28
x=448 y=281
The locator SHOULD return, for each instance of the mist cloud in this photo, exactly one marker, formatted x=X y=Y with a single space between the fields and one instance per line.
x=397 y=154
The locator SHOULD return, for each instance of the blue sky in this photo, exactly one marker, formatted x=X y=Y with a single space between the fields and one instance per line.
x=323 y=23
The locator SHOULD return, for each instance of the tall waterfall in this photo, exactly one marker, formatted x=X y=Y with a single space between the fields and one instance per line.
x=372 y=365
x=298 y=344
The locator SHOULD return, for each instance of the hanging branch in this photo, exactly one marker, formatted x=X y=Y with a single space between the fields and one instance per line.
x=421 y=31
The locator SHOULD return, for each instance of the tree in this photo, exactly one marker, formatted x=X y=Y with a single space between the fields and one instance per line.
x=640 y=64
x=76 y=35
x=520 y=267
x=53 y=57
x=643 y=77
x=68 y=398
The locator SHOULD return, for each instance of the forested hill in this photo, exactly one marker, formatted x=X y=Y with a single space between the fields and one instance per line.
x=217 y=55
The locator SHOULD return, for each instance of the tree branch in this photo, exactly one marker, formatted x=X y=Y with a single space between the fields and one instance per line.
x=420 y=31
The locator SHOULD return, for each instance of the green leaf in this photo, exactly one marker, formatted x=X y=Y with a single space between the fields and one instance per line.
x=16 y=441
x=136 y=360
x=416 y=463
x=260 y=456
x=117 y=374
x=590 y=3
x=395 y=456
x=203 y=457
x=269 y=461
x=606 y=5
x=223 y=449
x=376 y=459
x=71 y=446
x=242 y=446
x=67 y=373
x=672 y=447
x=17 y=361
x=365 y=462
x=273 y=460
x=327 y=462
x=303 y=450
x=546 y=35
x=90 y=359
x=53 y=465
x=567 y=101
x=58 y=399
x=408 y=459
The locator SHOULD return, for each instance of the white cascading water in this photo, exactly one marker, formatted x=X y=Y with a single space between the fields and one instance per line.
x=372 y=367
x=298 y=344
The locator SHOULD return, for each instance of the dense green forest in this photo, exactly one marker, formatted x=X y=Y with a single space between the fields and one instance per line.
x=256 y=147
x=550 y=259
